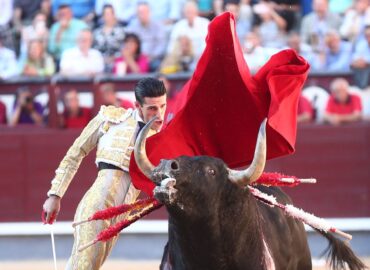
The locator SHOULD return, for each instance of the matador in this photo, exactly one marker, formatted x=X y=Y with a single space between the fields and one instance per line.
x=113 y=132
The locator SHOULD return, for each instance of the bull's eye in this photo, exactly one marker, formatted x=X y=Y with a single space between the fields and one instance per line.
x=211 y=172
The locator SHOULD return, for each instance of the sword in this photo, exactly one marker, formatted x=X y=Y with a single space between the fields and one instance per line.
x=53 y=247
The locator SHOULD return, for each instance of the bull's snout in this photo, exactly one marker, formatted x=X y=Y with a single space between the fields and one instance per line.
x=168 y=166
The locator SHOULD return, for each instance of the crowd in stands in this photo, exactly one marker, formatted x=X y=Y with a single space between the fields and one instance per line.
x=91 y=37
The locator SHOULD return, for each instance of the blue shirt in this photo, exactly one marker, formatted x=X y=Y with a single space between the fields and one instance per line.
x=80 y=8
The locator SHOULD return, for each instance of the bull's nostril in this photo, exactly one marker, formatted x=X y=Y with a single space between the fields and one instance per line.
x=174 y=165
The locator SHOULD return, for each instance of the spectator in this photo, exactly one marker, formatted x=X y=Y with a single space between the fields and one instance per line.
x=38 y=62
x=305 y=110
x=361 y=61
x=151 y=34
x=316 y=24
x=206 y=9
x=25 y=109
x=166 y=12
x=132 y=60
x=288 y=10
x=109 y=97
x=355 y=20
x=254 y=54
x=342 y=107
x=125 y=10
x=37 y=30
x=109 y=37
x=6 y=31
x=63 y=33
x=74 y=116
x=181 y=59
x=8 y=62
x=2 y=113
x=82 y=60
x=270 y=26
x=243 y=26
x=336 y=55
x=24 y=12
x=81 y=9
x=195 y=27
x=46 y=10
x=303 y=49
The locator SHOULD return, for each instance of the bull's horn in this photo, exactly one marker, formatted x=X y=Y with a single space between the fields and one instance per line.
x=141 y=158
x=254 y=171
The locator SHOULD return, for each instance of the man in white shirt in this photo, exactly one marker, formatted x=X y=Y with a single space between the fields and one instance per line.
x=8 y=62
x=82 y=60
x=193 y=26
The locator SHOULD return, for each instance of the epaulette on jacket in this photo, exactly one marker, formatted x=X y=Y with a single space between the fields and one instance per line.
x=114 y=114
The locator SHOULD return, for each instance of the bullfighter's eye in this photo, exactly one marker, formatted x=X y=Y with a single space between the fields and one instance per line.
x=211 y=171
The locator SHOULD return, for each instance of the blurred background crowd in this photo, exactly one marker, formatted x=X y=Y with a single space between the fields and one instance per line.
x=41 y=38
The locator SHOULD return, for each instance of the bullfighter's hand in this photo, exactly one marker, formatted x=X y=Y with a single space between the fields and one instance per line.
x=51 y=208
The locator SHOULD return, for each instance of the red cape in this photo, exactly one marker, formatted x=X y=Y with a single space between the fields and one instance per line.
x=220 y=109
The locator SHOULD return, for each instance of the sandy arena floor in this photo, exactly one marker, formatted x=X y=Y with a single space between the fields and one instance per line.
x=109 y=265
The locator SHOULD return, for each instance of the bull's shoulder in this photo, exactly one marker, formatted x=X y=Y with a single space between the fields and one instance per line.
x=280 y=195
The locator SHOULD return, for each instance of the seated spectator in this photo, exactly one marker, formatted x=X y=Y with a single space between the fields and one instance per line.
x=288 y=10
x=82 y=9
x=6 y=29
x=181 y=59
x=271 y=27
x=2 y=113
x=336 y=55
x=38 y=62
x=109 y=97
x=355 y=20
x=8 y=62
x=131 y=59
x=303 y=49
x=82 y=60
x=25 y=109
x=242 y=25
x=24 y=12
x=109 y=37
x=254 y=54
x=64 y=32
x=37 y=30
x=166 y=12
x=151 y=34
x=74 y=116
x=342 y=106
x=315 y=24
x=195 y=27
x=361 y=61
x=124 y=9
x=305 y=110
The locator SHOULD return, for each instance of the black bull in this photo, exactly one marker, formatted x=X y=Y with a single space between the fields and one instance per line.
x=216 y=224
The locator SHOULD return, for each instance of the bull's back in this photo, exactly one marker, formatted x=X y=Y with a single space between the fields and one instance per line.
x=285 y=236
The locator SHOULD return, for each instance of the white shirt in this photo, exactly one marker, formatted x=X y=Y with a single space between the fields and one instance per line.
x=6 y=13
x=73 y=62
x=8 y=63
x=197 y=33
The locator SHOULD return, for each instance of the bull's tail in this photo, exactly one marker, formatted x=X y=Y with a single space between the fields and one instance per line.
x=340 y=254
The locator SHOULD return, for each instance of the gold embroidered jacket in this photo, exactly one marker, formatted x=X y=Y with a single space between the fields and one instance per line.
x=113 y=131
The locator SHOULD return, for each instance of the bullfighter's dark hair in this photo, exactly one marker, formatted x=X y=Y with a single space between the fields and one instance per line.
x=149 y=87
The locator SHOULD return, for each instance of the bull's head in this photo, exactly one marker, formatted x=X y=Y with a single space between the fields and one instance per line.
x=194 y=174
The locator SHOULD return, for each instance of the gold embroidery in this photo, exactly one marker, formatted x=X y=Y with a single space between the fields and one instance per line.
x=112 y=113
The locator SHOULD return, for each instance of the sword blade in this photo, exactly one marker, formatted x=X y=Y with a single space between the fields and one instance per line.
x=53 y=247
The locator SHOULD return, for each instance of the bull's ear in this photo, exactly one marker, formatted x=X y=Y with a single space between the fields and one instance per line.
x=141 y=158
x=254 y=171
